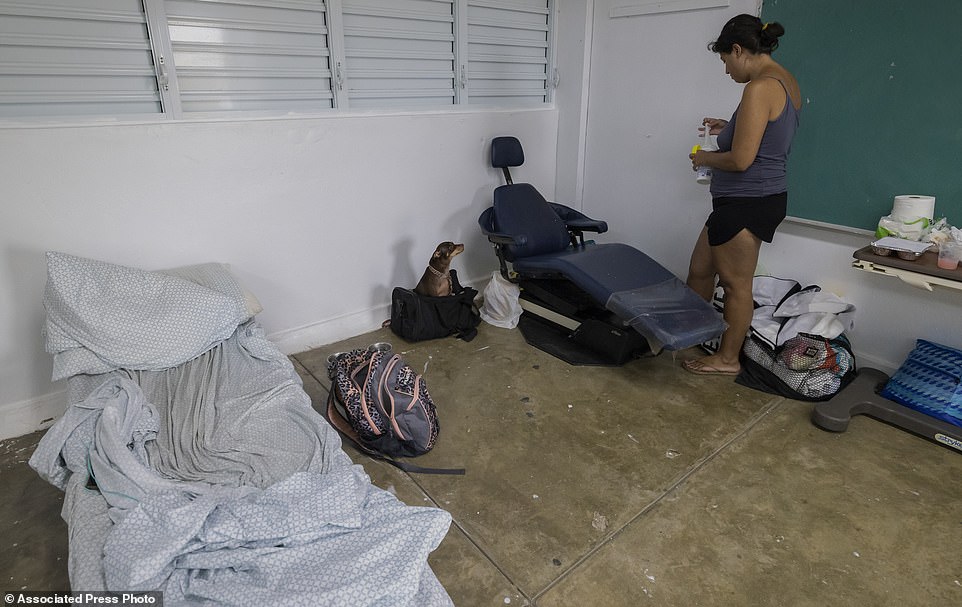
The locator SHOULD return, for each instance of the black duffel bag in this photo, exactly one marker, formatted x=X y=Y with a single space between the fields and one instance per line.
x=416 y=317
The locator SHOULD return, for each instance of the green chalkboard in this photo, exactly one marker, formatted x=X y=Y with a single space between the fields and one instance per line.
x=881 y=85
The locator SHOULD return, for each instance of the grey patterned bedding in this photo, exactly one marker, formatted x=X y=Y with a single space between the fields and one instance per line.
x=192 y=460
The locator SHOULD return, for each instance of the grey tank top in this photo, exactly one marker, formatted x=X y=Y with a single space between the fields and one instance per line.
x=767 y=174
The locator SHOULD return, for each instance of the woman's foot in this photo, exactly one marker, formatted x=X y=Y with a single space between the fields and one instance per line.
x=710 y=365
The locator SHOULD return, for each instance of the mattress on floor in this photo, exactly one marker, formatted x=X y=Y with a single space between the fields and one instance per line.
x=211 y=479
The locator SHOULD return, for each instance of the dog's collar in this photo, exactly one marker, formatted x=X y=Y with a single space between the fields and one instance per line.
x=436 y=272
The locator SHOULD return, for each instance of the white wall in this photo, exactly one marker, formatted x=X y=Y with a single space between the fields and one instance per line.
x=319 y=217
x=652 y=80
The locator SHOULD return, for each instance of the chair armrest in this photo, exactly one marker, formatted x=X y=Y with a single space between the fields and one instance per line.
x=486 y=221
x=577 y=221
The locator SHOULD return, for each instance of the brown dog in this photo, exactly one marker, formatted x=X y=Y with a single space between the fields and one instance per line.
x=436 y=280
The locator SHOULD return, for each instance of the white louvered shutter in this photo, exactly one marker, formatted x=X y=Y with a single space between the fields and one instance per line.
x=251 y=55
x=75 y=58
x=399 y=53
x=508 y=52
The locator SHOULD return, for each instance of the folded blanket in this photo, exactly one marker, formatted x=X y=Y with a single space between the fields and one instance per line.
x=102 y=316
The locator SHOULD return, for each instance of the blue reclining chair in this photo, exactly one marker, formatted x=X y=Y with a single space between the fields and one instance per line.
x=585 y=302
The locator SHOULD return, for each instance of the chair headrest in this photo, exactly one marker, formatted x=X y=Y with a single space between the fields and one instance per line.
x=506 y=152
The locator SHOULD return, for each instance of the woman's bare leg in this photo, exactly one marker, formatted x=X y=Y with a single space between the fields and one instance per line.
x=701 y=268
x=735 y=262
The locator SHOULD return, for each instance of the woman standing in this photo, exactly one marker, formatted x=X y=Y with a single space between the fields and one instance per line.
x=749 y=182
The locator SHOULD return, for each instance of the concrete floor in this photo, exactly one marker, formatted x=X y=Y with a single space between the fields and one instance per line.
x=638 y=485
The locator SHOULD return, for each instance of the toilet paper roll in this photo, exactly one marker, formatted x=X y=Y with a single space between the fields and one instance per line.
x=909 y=207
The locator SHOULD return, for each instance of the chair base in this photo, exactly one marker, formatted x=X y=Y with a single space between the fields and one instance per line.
x=589 y=338
x=586 y=346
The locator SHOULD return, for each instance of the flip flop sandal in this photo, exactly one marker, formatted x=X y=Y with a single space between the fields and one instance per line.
x=697 y=367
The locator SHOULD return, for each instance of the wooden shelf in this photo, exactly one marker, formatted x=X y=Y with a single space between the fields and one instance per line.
x=923 y=272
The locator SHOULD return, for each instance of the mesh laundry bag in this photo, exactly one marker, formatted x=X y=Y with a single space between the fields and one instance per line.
x=806 y=367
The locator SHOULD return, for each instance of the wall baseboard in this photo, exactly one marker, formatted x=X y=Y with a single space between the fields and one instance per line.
x=301 y=339
x=315 y=335
x=863 y=359
x=26 y=416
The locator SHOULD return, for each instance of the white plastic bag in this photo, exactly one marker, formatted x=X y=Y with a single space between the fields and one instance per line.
x=501 y=307
x=941 y=231
x=890 y=225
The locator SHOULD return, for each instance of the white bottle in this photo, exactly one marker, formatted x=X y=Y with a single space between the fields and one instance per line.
x=703 y=173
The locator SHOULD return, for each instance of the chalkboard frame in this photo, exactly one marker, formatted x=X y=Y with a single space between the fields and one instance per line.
x=880 y=82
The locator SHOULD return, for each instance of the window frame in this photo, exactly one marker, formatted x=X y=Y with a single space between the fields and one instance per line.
x=171 y=109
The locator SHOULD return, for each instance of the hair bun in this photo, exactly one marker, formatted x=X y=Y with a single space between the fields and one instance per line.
x=772 y=30
x=750 y=33
x=769 y=35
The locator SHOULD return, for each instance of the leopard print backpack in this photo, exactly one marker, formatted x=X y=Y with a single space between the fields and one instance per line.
x=387 y=410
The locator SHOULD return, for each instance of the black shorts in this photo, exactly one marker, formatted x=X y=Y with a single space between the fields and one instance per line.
x=731 y=214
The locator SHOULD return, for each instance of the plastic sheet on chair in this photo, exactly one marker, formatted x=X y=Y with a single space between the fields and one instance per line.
x=668 y=314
